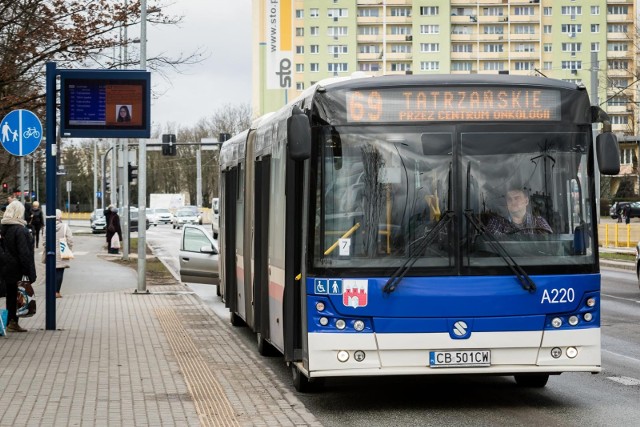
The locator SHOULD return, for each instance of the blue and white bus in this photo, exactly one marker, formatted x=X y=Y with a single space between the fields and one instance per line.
x=356 y=237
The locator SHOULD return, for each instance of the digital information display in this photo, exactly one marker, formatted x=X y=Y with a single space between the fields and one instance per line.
x=453 y=104
x=110 y=104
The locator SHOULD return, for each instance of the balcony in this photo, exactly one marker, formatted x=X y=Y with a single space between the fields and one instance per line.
x=393 y=20
x=461 y=55
x=622 y=54
x=464 y=19
x=616 y=109
x=463 y=37
x=492 y=19
x=369 y=56
x=492 y=56
x=394 y=38
x=391 y=56
x=367 y=38
x=619 y=37
x=619 y=18
x=533 y=56
x=618 y=73
x=524 y=18
x=523 y=37
x=368 y=20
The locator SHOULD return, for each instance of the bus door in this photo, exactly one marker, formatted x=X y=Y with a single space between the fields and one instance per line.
x=228 y=237
x=245 y=292
x=261 y=247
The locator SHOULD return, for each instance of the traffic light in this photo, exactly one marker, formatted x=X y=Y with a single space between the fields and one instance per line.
x=133 y=173
x=169 y=145
x=5 y=187
x=107 y=185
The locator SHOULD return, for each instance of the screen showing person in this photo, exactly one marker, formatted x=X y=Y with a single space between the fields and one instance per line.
x=123 y=113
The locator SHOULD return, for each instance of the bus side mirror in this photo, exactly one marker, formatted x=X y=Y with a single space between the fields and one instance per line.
x=608 y=153
x=299 y=135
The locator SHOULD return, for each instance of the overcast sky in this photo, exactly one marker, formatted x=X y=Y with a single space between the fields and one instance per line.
x=223 y=29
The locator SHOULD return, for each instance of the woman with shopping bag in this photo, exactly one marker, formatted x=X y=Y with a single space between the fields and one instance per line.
x=64 y=246
x=18 y=247
x=114 y=232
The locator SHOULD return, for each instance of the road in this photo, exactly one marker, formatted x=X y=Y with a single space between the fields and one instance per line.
x=609 y=398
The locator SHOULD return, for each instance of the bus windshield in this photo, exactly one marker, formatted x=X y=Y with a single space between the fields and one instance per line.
x=381 y=189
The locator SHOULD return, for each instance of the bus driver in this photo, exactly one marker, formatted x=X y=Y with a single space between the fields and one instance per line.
x=520 y=219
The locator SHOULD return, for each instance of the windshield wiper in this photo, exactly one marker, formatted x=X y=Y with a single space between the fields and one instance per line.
x=422 y=243
x=524 y=279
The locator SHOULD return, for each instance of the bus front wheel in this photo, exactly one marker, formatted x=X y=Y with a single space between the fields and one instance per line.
x=532 y=380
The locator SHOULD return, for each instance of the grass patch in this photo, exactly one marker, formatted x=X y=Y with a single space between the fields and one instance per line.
x=617 y=256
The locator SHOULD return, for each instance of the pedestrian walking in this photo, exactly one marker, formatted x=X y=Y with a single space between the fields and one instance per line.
x=36 y=221
x=63 y=232
x=19 y=263
x=113 y=228
x=627 y=213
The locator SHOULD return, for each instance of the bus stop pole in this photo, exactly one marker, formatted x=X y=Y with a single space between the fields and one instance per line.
x=50 y=220
x=142 y=169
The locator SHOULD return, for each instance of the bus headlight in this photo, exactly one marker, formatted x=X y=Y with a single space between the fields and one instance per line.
x=572 y=352
x=341 y=324
x=343 y=356
x=324 y=321
x=587 y=317
x=591 y=302
x=320 y=306
x=556 y=322
x=556 y=352
x=573 y=320
x=358 y=325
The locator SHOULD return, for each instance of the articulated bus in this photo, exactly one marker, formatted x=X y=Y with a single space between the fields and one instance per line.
x=358 y=236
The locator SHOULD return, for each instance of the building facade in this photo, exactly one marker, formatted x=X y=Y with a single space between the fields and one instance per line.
x=590 y=42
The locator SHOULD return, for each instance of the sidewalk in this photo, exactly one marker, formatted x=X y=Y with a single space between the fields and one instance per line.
x=118 y=358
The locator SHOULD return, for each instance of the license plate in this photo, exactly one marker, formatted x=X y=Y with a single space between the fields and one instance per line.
x=459 y=358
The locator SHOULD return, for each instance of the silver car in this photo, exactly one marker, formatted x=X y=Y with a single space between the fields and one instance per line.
x=198 y=256
x=185 y=216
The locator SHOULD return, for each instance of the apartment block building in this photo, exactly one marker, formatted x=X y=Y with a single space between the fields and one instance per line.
x=553 y=38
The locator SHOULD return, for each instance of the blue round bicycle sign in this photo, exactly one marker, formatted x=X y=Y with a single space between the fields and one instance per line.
x=21 y=132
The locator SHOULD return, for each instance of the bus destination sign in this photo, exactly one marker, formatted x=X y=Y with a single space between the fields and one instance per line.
x=453 y=104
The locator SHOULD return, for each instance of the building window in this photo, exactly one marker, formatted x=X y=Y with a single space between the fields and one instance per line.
x=369 y=48
x=523 y=10
x=314 y=67
x=525 y=47
x=548 y=47
x=400 y=11
x=547 y=11
x=571 y=10
x=400 y=66
x=493 y=11
x=572 y=65
x=299 y=32
x=368 y=30
x=617 y=28
x=617 y=47
x=617 y=10
x=618 y=64
x=337 y=31
x=618 y=82
x=618 y=101
x=461 y=29
x=429 y=47
x=429 y=10
x=299 y=86
x=338 y=67
x=571 y=28
x=429 y=66
x=299 y=13
x=369 y=66
x=430 y=29
x=467 y=47
x=619 y=120
x=314 y=13
x=493 y=66
x=338 y=13
x=314 y=31
x=595 y=28
x=524 y=65
x=524 y=29
x=626 y=156
x=399 y=30
x=491 y=29
x=595 y=10
x=547 y=29
x=547 y=65
x=571 y=47
x=314 y=48
x=338 y=49
x=461 y=66
x=371 y=12
x=400 y=48
x=494 y=47
x=299 y=68
x=595 y=47
x=299 y=50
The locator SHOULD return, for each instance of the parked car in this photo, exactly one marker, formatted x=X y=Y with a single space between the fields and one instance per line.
x=616 y=209
x=164 y=216
x=152 y=216
x=198 y=256
x=196 y=211
x=98 y=221
x=185 y=215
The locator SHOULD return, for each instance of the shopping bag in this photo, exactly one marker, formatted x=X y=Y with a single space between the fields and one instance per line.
x=115 y=241
x=4 y=318
x=26 y=301
x=65 y=251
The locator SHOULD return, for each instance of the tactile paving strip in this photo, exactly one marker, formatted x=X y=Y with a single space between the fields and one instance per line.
x=212 y=405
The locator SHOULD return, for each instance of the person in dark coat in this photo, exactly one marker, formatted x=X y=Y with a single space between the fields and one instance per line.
x=36 y=221
x=19 y=247
x=113 y=227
